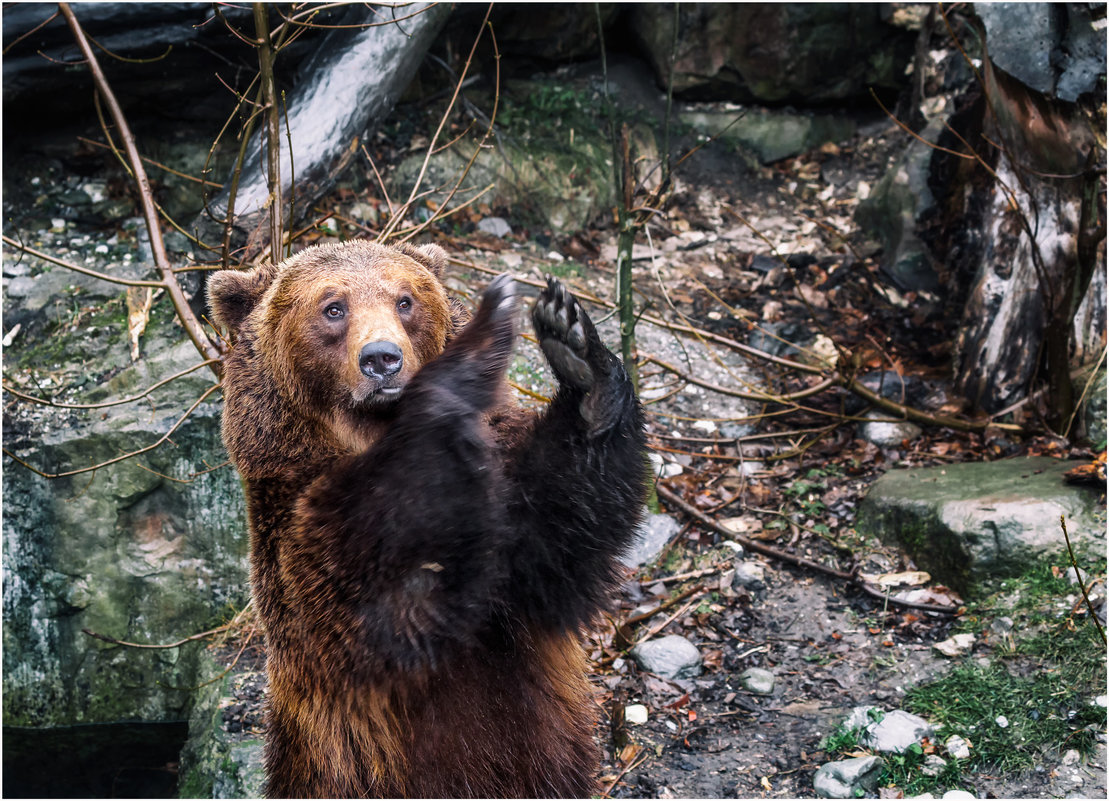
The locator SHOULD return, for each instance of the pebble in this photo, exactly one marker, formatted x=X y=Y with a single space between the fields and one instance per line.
x=672 y=657
x=957 y=747
x=497 y=226
x=1002 y=625
x=750 y=575
x=955 y=646
x=887 y=434
x=933 y=765
x=635 y=714
x=757 y=680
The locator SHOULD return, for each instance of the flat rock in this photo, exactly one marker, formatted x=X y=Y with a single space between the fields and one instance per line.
x=890 y=731
x=969 y=523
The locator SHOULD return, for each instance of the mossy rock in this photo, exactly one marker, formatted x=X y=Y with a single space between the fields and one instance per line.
x=968 y=524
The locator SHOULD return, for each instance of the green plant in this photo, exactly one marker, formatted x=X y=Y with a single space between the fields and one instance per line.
x=906 y=771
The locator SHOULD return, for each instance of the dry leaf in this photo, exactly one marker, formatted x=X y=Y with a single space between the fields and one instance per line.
x=139 y=299
x=910 y=578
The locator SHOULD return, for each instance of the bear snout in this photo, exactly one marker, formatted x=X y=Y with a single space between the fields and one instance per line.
x=380 y=360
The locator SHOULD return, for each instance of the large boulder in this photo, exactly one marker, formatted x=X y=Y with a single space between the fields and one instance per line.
x=551 y=164
x=897 y=210
x=969 y=523
x=773 y=53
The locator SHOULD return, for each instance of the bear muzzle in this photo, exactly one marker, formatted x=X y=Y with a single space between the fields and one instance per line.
x=381 y=371
x=380 y=360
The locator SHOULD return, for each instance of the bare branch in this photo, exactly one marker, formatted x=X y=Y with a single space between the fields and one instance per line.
x=754 y=545
x=395 y=221
x=105 y=404
x=273 y=127
x=192 y=326
x=130 y=455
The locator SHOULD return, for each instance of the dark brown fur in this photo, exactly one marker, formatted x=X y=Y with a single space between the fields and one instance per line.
x=422 y=561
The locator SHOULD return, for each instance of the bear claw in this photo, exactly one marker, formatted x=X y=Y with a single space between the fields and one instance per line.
x=561 y=326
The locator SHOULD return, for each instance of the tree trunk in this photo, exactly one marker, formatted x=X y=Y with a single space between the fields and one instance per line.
x=1039 y=243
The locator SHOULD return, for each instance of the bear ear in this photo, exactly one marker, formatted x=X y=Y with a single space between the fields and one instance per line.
x=233 y=294
x=431 y=256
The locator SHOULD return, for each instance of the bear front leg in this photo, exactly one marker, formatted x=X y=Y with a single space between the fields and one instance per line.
x=403 y=545
x=577 y=475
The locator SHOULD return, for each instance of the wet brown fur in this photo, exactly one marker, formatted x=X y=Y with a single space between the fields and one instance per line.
x=506 y=711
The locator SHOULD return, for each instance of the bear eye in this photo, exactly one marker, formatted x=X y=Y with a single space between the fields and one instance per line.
x=404 y=304
x=334 y=311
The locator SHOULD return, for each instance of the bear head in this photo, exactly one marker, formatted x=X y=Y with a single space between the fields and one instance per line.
x=338 y=328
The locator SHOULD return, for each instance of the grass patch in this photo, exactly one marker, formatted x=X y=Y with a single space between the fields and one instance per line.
x=1032 y=701
x=1040 y=684
x=1012 y=720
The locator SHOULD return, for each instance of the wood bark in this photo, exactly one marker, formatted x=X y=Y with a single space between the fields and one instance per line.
x=1039 y=243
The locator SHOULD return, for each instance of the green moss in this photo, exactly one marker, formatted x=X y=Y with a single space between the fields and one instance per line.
x=194 y=784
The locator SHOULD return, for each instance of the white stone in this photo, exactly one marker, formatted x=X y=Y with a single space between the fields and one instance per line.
x=650 y=538
x=896 y=731
x=497 y=226
x=672 y=657
x=886 y=434
x=1002 y=721
x=955 y=646
x=933 y=765
x=958 y=795
x=635 y=714
x=957 y=747
x=847 y=778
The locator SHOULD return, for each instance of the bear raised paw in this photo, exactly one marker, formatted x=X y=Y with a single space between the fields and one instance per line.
x=424 y=552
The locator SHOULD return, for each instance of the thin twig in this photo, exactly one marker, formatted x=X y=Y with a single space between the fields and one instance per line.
x=391 y=227
x=1077 y=575
x=677 y=599
x=130 y=455
x=77 y=268
x=104 y=404
x=201 y=636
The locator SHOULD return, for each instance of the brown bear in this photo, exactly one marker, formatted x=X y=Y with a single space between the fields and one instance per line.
x=424 y=552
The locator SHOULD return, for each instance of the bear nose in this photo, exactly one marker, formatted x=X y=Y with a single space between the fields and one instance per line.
x=380 y=359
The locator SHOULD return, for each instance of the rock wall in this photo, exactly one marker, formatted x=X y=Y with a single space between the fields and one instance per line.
x=141 y=551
